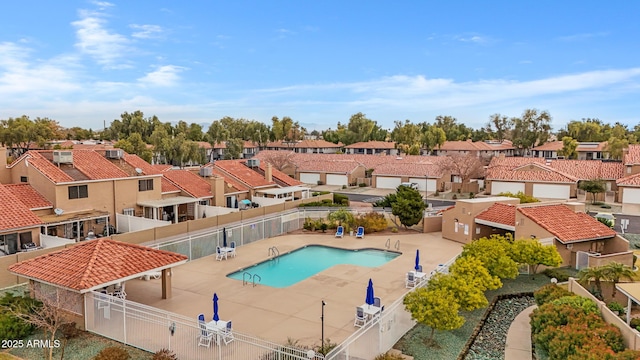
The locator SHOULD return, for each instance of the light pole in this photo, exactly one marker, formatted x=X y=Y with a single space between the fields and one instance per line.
x=426 y=190
x=322 y=321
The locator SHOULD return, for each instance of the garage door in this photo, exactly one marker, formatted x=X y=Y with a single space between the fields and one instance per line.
x=548 y=191
x=431 y=183
x=498 y=187
x=383 y=182
x=309 y=178
x=333 y=179
x=630 y=196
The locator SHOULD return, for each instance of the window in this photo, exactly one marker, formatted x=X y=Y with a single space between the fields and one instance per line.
x=145 y=185
x=24 y=179
x=78 y=192
x=129 y=211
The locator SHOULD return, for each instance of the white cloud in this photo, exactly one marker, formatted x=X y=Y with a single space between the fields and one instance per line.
x=166 y=75
x=146 y=31
x=94 y=39
x=582 y=36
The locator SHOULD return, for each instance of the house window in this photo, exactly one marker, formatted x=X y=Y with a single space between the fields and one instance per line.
x=129 y=211
x=203 y=202
x=145 y=185
x=148 y=212
x=24 y=179
x=78 y=192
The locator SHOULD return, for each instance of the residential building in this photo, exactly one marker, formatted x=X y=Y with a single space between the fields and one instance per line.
x=372 y=148
x=482 y=149
x=629 y=185
x=306 y=146
x=585 y=150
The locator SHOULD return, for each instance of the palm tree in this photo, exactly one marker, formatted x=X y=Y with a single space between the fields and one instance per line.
x=615 y=271
x=598 y=274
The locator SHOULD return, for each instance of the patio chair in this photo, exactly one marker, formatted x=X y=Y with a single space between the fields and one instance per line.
x=232 y=252
x=411 y=280
x=360 y=233
x=219 y=254
x=227 y=334
x=360 y=319
x=340 y=232
x=376 y=301
x=419 y=268
x=119 y=292
x=205 y=336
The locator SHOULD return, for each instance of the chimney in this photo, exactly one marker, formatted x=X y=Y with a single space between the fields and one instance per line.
x=5 y=174
x=217 y=189
x=268 y=173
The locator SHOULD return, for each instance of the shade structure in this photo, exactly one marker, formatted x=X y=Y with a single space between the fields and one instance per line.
x=417 y=267
x=224 y=237
x=370 y=296
x=215 y=307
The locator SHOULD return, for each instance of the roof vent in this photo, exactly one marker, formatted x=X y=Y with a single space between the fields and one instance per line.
x=206 y=171
x=253 y=163
x=63 y=157
x=114 y=154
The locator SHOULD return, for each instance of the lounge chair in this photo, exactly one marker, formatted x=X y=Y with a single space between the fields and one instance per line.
x=232 y=252
x=219 y=254
x=340 y=232
x=227 y=334
x=205 y=336
x=360 y=319
x=360 y=233
x=376 y=301
x=411 y=280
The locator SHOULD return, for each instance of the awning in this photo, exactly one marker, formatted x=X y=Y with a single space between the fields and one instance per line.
x=69 y=217
x=283 y=190
x=246 y=202
x=178 y=200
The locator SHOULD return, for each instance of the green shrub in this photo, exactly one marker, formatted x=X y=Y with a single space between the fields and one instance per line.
x=454 y=197
x=587 y=305
x=362 y=185
x=112 y=353
x=394 y=230
x=615 y=306
x=605 y=206
x=309 y=224
x=524 y=198
x=559 y=274
x=12 y=327
x=324 y=227
x=344 y=186
x=607 y=222
x=341 y=199
x=549 y=293
x=371 y=222
x=635 y=322
x=320 y=182
x=472 y=195
x=164 y=354
x=388 y=356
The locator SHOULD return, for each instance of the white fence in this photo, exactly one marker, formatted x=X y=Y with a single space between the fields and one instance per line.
x=151 y=329
x=211 y=211
x=127 y=223
x=48 y=241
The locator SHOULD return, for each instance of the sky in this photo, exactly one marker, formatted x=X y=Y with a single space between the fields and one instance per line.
x=83 y=63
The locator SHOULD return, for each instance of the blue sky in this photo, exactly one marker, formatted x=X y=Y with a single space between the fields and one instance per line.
x=82 y=62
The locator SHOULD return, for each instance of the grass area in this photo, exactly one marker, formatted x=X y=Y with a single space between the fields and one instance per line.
x=450 y=343
x=84 y=347
x=634 y=240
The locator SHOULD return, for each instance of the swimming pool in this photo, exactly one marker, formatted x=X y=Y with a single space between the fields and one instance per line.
x=290 y=268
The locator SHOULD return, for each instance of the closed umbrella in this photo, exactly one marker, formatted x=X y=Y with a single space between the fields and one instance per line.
x=224 y=237
x=215 y=307
x=417 y=260
x=370 y=296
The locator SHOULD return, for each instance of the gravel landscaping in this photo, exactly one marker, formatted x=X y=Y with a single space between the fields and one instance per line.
x=491 y=340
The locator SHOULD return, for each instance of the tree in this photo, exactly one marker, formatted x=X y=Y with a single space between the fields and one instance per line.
x=569 y=148
x=467 y=296
x=342 y=217
x=502 y=125
x=405 y=134
x=234 y=149
x=465 y=166
x=436 y=308
x=534 y=254
x=615 y=147
x=495 y=254
x=597 y=274
x=433 y=137
x=409 y=206
x=531 y=129
x=278 y=159
x=615 y=271
x=592 y=186
x=453 y=130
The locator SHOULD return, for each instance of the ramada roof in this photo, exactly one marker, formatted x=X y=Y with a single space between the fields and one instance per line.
x=15 y=214
x=633 y=155
x=372 y=145
x=91 y=264
x=499 y=213
x=567 y=225
x=31 y=198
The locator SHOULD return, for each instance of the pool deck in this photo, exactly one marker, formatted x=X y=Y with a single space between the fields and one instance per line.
x=294 y=312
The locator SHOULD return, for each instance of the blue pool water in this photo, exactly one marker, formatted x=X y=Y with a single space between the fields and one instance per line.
x=290 y=268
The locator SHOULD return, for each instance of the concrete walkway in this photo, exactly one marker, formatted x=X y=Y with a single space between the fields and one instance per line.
x=518 y=346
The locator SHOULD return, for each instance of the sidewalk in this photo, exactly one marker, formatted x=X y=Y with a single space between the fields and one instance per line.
x=518 y=346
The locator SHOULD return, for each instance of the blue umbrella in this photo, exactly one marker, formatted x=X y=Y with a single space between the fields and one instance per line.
x=417 y=260
x=224 y=237
x=215 y=307
x=370 y=296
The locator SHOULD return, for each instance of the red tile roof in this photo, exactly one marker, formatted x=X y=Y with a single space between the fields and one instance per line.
x=469 y=145
x=167 y=186
x=93 y=263
x=15 y=214
x=189 y=182
x=285 y=179
x=372 y=145
x=90 y=164
x=29 y=196
x=631 y=180
x=408 y=169
x=242 y=173
x=499 y=213
x=549 y=146
x=582 y=146
x=138 y=162
x=579 y=169
x=302 y=144
x=537 y=173
x=633 y=155
x=566 y=224
x=231 y=185
x=336 y=166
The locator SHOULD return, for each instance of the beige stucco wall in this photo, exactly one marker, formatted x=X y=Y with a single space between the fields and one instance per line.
x=465 y=211
x=432 y=224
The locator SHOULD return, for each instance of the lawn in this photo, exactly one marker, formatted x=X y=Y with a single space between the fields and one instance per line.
x=450 y=343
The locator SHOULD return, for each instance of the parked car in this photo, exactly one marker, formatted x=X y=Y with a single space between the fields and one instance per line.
x=607 y=216
x=410 y=185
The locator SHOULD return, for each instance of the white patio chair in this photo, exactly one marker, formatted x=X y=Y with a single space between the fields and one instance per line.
x=227 y=334
x=340 y=232
x=119 y=292
x=411 y=280
x=205 y=337
x=360 y=318
x=360 y=233
x=376 y=301
x=219 y=254
x=232 y=252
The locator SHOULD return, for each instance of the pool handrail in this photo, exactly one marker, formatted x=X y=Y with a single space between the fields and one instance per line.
x=254 y=279
x=243 y=277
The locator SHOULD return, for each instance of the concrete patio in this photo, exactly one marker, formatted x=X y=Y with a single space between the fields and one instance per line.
x=276 y=314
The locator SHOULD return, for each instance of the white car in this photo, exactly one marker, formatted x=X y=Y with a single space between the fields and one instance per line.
x=607 y=216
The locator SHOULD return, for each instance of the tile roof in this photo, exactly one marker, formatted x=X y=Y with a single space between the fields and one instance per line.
x=242 y=173
x=582 y=146
x=336 y=166
x=579 y=169
x=469 y=145
x=167 y=186
x=189 y=182
x=549 y=146
x=138 y=162
x=633 y=155
x=279 y=176
x=631 y=180
x=302 y=144
x=408 y=169
x=231 y=185
x=87 y=165
x=93 y=263
x=372 y=145
x=15 y=214
x=566 y=224
x=28 y=196
x=537 y=172
x=499 y=213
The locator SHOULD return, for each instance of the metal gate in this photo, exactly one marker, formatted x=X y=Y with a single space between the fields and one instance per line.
x=582 y=260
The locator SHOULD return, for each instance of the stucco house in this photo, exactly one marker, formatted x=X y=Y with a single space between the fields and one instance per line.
x=372 y=148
